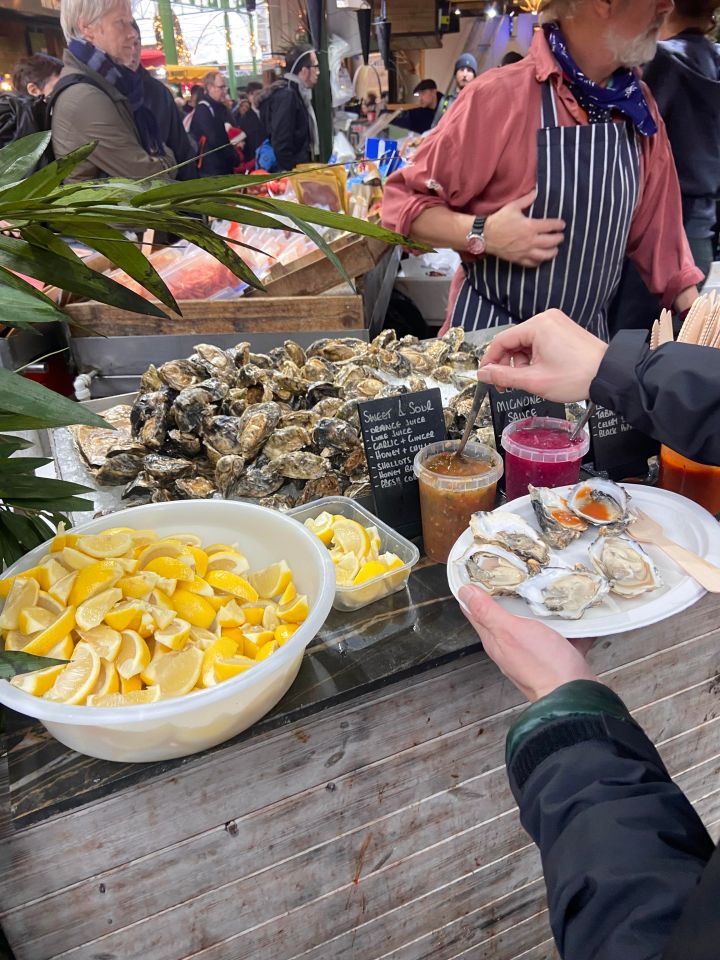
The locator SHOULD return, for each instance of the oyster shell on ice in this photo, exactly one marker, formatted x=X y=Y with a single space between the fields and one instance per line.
x=512 y=532
x=600 y=502
x=626 y=565
x=559 y=525
x=495 y=569
x=95 y=442
x=563 y=592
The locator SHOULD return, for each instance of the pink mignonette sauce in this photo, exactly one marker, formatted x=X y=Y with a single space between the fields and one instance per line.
x=538 y=450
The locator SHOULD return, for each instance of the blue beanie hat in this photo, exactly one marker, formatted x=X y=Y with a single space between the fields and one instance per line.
x=466 y=61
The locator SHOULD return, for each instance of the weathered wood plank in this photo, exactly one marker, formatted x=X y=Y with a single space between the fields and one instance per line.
x=314 y=273
x=244 y=315
x=404 y=839
x=679 y=665
x=458 y=754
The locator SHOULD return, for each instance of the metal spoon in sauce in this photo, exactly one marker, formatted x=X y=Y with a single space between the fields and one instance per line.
x=582 y=420
x=480 y=392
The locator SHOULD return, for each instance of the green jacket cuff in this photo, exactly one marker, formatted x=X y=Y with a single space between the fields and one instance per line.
x=577 y=698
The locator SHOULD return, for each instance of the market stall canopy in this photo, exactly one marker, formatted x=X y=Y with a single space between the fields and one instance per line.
x=183 y=73
x=152 y=57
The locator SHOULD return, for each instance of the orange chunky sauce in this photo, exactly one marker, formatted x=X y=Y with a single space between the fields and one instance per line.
x=446 y=511
x=696 y=481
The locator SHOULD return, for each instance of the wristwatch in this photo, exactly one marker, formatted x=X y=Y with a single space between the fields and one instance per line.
x=475 y=240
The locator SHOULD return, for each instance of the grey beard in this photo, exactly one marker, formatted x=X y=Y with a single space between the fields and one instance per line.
x=633 y=53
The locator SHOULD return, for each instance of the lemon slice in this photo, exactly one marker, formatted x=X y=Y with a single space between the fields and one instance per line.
x=104 y=545
x=229 y=560
x=270 y=617
x=346 y=569
x=162 y=616
x=231 y=615
x=375 y=541
x=130 y=684
x=227 y=667
x=6 y=584
x=108 y=680
x=267 y=649
x=221 y=548
x=191 y=607
x=284 y=631
x=175 y=635
x=159 y=598
x=224 y=647
x=63 y=650
x=289 y=593
x=146 y=627
x=93 y=579
x=202 y=639
x=139 y=586
x=187 y=539
x=92 y=613
x=232 y=583
x=253 y=615
x=201 y=560
x=125 y=615
x=140 y=538
x=77 y=679
x=49 y=603
x=49 y=572
x=61 y=590
x=172 y=568
x=351 y=537
x=294 y=612
x=259 y=636
x=133 y=655
x=160 y=548
x=369 y=571
x=38 y=682
x=176 y=672
x=321 y=526
x=14 y=640
x=104 y=639
x=75 y=560
x=35 y=619
x=126 y=699
x=199 y=586
x=272 y=580
x=23 y=593
x=62 y=540
x=43 y=643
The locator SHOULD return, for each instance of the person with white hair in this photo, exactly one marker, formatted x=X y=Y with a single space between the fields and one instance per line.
x=100 y=99
x=560 y=167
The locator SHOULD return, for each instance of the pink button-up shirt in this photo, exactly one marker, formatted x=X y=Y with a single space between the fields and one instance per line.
x=484 y=154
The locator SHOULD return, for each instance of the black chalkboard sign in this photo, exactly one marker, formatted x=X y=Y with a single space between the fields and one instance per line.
x=507 y=406
x=393 y=430
x=617 y=448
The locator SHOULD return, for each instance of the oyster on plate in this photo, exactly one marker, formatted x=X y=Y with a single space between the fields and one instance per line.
x=626 y=565
x=512 y=532
x=563 y=592
x=496 y=570
x=559 y=525
x=600 y=502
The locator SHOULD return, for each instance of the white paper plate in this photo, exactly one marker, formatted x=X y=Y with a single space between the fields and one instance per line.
x=682 y=520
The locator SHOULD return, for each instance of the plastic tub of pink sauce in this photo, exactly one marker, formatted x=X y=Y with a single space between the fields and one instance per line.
x=538 y=451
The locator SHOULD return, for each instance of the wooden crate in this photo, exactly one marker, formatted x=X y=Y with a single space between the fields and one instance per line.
x=244 y=315
x=314 y=273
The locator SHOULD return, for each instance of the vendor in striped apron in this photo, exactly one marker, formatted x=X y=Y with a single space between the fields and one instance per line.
x=590 y=159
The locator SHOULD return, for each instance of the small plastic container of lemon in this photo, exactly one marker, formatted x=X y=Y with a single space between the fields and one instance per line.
x=371 y=560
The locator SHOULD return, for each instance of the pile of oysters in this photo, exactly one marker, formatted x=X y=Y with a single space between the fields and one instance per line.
x=280 y=428
x=509 y=557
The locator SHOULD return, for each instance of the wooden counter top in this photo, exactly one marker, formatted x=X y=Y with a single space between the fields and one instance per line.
x=368 y=816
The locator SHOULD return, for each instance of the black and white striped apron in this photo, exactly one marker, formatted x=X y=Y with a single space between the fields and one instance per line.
x=589 y=177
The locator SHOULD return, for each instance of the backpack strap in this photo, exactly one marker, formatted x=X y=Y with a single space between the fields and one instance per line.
x=69 y=81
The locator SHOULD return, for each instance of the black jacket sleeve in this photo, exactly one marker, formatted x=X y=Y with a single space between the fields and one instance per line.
x=621 y=846
x=672 y=393
x=283 y=122
x=208 y=123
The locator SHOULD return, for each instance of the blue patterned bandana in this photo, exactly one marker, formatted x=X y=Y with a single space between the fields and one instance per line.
x=624 y=95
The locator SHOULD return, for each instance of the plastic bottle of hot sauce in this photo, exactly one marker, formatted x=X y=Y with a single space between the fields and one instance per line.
x=538 y=450
x=452 y=489
x=696 y=481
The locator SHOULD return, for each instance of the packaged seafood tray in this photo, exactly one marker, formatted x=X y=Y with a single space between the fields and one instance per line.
x=355 y=596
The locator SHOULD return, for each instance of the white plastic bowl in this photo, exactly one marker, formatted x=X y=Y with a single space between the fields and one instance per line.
x=183 y=725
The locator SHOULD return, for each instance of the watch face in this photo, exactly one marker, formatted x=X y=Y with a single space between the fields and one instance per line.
x=476 y=245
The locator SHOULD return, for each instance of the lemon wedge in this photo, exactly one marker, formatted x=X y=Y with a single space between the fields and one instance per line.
x=108 y=680
x=92 y=613
x=130 y=698
x=351 y=537
x=125 y=615
x=38 y=682
x=104 y=639
x=35 y=619
x=191 y=607
x=23 y=593
x=369 y=571
x=227 y=667
x=175 y=672
x=172 y=568
x=61 y=590
x=231 y=615
x=93 y=579
x=321 y=526
x=267 y=649
x=77 y=678
x=104 y=545
x=284 y=631
x=229 y=560
x=175 y=635
x=232 y=583
x=42 y=644
x=296 y=611
x=271 y=581
x=63 y=650
x=133 y=655
x=223 y=647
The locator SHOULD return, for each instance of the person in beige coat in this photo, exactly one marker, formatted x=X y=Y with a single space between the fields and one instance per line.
x=108 y=106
